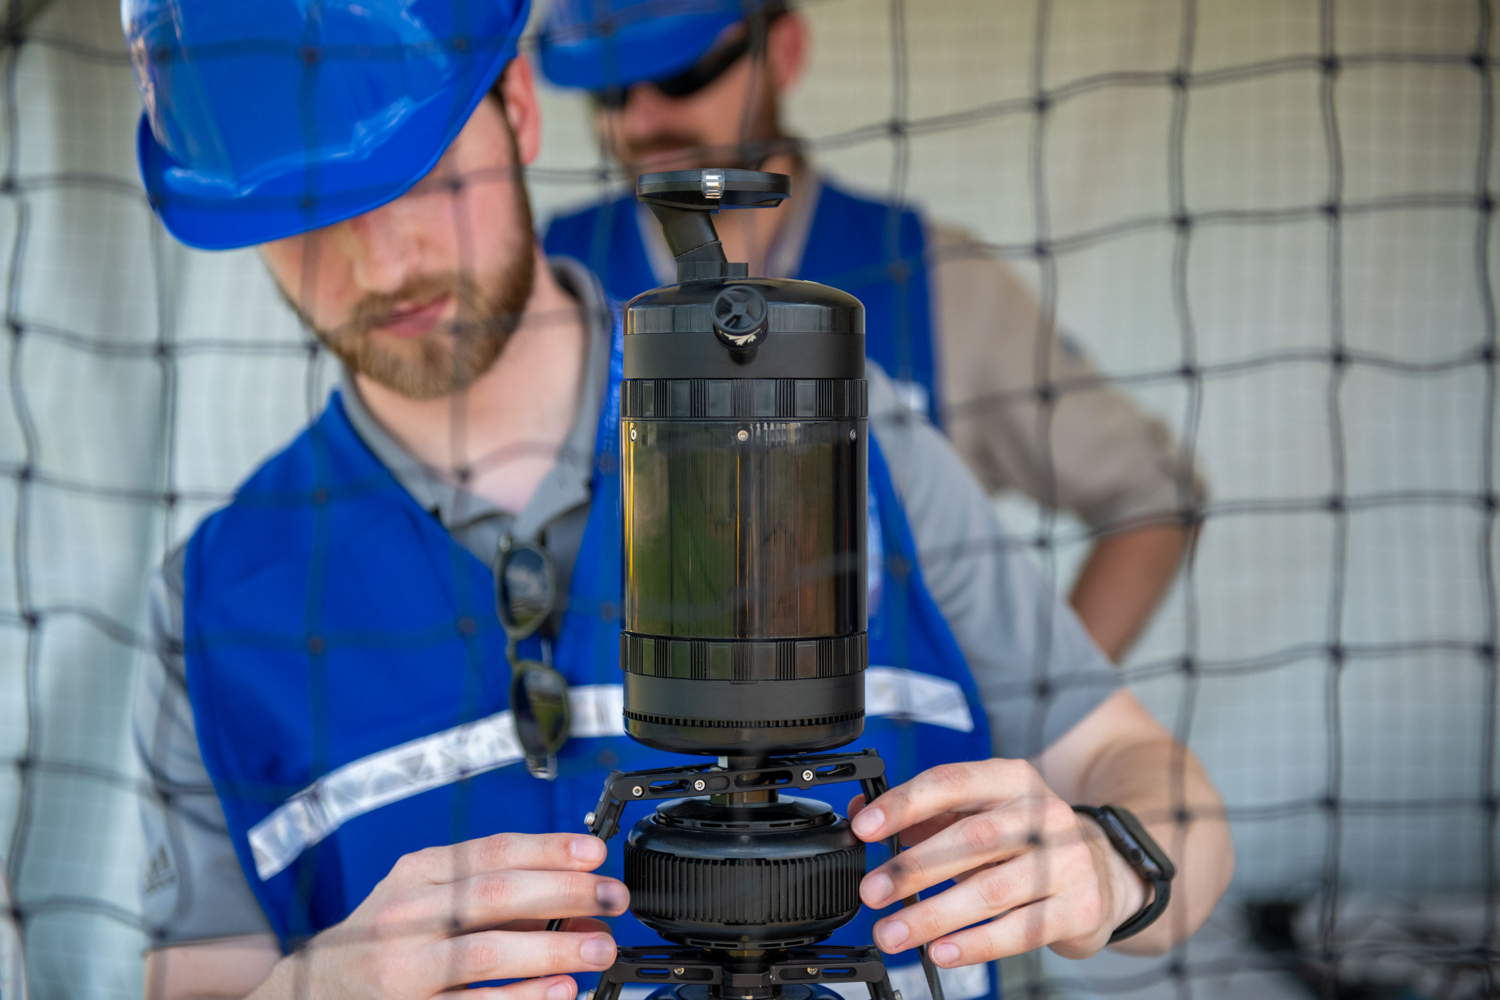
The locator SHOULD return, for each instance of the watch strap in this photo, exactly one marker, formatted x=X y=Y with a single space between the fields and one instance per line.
x=1144 y=856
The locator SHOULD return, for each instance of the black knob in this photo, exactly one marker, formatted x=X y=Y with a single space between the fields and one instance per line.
x=740 y=313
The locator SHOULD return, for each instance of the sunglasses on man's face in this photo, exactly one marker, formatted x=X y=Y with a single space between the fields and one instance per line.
x=687 y=83
x=525 y=597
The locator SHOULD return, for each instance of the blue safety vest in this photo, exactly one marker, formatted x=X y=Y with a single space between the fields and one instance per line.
x=874 y=250
x=349 y=682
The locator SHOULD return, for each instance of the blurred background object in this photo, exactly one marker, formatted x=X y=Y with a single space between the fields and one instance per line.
x=1271 y=223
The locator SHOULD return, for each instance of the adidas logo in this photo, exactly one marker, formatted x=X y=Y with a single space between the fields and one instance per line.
x=160 y=874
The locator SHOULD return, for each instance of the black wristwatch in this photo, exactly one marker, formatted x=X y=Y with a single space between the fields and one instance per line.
x=1144 y=856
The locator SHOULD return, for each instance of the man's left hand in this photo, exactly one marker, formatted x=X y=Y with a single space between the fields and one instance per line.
x=1029 y=871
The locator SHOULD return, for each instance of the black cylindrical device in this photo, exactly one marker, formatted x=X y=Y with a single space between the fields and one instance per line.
x=743 y=421
x=743 y=464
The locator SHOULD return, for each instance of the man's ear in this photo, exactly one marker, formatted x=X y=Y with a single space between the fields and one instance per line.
x=517 y=93
x=786 y=49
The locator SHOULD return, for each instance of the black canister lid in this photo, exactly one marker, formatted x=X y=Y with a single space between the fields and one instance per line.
x=744 y=328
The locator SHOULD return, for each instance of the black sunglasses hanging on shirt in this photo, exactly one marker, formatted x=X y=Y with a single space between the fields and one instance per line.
x=525 y=597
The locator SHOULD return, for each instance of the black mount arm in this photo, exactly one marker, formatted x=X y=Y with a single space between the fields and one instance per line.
x=683 y=200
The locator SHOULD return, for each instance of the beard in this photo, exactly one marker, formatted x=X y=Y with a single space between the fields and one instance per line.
x=451 y=355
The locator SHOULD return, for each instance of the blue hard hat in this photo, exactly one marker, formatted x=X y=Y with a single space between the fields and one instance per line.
x=599 y=44
x=267 y=118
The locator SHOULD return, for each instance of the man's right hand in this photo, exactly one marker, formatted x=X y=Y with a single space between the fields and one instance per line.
x=448 y=916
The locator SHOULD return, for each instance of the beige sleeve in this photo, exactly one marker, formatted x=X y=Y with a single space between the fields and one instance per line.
x=1099 y=456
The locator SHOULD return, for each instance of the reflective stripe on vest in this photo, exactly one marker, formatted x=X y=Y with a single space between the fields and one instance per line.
x=363 y=785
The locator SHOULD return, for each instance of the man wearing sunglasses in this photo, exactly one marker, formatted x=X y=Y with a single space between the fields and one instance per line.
x=702 y=84
x=388 y=670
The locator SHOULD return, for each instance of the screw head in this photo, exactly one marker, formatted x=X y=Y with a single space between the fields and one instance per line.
x=699 y=785
x=637 y=791
x=742 y=435
x=811 y=971
x=632 y=433
x=679 y=970
x=588 y=819
x=807 y=775
x=853 y=434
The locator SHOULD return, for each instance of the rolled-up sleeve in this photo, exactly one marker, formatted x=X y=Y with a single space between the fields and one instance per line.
x=193 y=887
x=1026 y=409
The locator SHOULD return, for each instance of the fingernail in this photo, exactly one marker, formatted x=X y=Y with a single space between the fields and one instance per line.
x=945 y=953
x=589 y=849
x=869 y=821
x=877 y=888
x=559 y=991
x=613 y=896
x=598 y=950
x=891 y=935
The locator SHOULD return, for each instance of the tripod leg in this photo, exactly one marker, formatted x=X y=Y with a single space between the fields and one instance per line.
x=930 y=971
x=881 y=989
x=608 y=989
x=873 y=788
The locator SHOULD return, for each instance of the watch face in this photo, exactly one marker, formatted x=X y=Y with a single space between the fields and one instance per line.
x=1144 y=854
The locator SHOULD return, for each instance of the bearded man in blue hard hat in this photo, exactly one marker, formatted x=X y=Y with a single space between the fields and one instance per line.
x=358 y=785
x=676 y=85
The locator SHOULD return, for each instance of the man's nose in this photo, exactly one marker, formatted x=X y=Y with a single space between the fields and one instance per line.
x=647 y=111
x=383 y=247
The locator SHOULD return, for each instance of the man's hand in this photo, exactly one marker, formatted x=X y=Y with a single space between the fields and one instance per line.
x=448 y=916
x=1029 y=871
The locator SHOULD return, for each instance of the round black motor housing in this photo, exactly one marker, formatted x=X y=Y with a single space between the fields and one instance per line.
x=761 y=876
x=743 y=443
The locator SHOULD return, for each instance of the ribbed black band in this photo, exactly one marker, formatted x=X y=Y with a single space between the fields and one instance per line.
x=681 y=722
x=743 y=660
x=707 y=398
x=752 y=892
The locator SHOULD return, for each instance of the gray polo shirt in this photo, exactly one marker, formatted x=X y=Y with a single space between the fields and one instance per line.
x=1038 y=672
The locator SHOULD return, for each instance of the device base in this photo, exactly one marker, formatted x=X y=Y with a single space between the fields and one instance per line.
x=697 y=991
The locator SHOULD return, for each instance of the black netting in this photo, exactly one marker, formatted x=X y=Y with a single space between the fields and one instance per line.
x=1330 y=651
